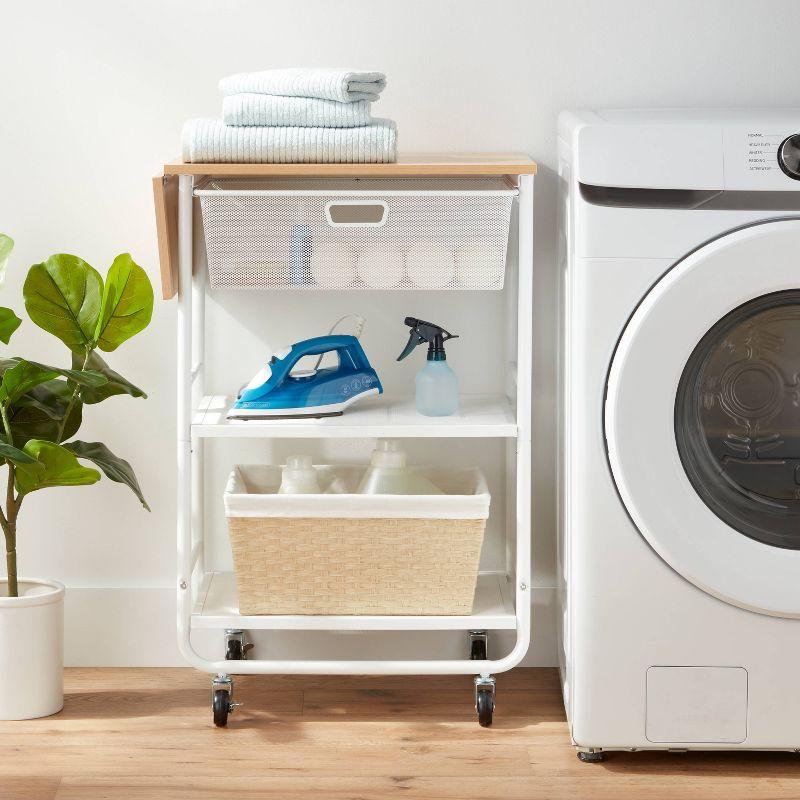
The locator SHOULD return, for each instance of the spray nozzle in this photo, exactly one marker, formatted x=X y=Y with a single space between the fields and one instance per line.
x=421 y=331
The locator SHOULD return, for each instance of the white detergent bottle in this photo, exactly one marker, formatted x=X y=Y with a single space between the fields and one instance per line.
x=389 y=473
x=436 y=383
x=299 y=476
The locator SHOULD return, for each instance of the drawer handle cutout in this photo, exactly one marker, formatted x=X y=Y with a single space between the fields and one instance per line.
x=356 y=213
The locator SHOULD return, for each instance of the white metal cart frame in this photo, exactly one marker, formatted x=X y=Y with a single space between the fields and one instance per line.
x=194 y=427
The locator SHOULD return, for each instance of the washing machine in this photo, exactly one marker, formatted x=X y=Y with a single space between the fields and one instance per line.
x=679 y=452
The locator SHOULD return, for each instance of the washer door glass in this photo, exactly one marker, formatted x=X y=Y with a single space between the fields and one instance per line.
x=737 y=419
x=702 y=417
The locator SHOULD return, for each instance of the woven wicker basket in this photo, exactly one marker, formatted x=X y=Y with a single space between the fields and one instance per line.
x=357 y=554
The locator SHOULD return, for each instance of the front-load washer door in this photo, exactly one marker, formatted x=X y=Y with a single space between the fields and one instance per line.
x=702 y=417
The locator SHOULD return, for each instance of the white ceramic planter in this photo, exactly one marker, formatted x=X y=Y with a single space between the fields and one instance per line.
x=31 y=649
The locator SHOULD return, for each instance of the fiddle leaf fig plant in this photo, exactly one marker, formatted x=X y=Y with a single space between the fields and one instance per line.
x=41 y=406
x=6 y=246
x=9 y=321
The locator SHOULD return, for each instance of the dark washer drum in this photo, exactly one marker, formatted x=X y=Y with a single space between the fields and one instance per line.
x=737 y=419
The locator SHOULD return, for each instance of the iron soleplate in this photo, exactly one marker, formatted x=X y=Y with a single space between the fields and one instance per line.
x=245 y=417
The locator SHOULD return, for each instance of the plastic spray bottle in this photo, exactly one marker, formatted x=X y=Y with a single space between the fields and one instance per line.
x=436 y=383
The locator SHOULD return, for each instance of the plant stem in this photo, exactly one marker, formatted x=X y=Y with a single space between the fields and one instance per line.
x=9 y=525
x=13 y=502
x=10 y=528
x=11 y=561
x=6 y=424
x=71 y=403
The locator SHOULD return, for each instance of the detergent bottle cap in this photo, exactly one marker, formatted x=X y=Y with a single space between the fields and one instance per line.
x=299 y=476
x=387 y=453
x=422 y=331
x=299 y=462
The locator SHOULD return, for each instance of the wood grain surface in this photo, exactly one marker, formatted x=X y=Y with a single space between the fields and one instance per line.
x=146 y=734
x=407 y=164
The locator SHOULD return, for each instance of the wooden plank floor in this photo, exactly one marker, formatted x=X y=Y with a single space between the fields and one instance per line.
x=144 y=734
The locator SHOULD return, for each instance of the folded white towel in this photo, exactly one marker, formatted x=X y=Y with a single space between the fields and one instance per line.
x=306 y=112
x=343 y=85
x=211 y=141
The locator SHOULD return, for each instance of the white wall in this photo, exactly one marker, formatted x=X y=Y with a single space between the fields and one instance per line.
x=92 y=97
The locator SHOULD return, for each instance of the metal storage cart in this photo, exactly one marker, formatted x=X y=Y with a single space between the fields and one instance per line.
x=207 y=598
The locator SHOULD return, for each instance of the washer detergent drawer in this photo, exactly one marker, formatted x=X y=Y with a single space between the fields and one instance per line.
x=696 y=705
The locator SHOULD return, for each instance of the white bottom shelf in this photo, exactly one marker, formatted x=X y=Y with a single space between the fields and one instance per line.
x=217 y=607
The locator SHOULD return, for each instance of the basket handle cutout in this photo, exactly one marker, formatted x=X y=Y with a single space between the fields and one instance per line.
x=356 y=213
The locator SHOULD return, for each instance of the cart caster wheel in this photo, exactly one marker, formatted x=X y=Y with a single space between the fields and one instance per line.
x=478 y=645
x=236 y=645
x=484 y=704
x=478 y=650
x=485 y=686
x=221 y=706
x=234 y=651
x=222 y=699
x=591 y=756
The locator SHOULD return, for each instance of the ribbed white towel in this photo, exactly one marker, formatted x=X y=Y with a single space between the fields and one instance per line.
x=306 y=112
x=343 y=85
x=211 y=141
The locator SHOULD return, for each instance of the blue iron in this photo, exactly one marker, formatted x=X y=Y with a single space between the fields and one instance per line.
x=277 y=392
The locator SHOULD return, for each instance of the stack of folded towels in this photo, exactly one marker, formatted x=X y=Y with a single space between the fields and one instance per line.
x=286 y=116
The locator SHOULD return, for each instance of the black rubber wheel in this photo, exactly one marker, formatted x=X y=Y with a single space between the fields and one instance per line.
x=478 y=650
x=591 y=758
x=234 y=651
x=221 y=705
x=485 y=706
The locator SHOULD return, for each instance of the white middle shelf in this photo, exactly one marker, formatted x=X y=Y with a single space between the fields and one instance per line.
x=478 y=416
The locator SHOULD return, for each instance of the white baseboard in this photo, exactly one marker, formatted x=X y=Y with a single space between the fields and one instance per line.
x=131 y=627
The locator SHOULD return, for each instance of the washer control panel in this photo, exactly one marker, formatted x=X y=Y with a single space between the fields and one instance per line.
x=762 y=158
x=789 y=156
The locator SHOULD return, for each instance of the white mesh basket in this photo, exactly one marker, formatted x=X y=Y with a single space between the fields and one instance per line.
x=413 y=233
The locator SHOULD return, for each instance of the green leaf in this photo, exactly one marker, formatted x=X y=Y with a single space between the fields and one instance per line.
x=115 y=468
x=51 y=398
x=26 y=474
x=9 y=322
x=38 y=413
x=115 y=383
x=22 y=376
x=6 y=246
x=14 y=454
x=63 y=296
x=61 y=468
x=127 y=303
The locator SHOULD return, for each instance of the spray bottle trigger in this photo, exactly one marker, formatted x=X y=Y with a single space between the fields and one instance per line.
x=413 y=341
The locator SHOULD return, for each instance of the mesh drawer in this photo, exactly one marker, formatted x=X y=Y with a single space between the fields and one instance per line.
x=356 y=234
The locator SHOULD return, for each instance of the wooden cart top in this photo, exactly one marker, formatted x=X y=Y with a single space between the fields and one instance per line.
x=416 y=164
x=435 y=165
